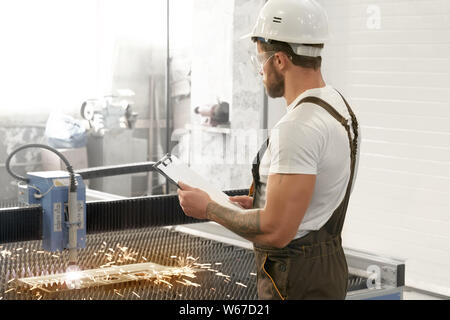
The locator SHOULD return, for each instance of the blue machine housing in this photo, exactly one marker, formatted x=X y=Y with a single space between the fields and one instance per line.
x=53 y=196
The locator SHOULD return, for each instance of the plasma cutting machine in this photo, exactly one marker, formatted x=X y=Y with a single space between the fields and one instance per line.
x=62 y=197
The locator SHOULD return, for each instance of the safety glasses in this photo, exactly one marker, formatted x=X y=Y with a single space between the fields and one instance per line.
x=259 y=60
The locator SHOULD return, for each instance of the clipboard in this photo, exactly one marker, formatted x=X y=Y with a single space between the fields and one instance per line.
x=176 y=170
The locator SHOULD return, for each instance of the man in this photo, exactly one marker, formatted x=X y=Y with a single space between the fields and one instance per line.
x=304 y=174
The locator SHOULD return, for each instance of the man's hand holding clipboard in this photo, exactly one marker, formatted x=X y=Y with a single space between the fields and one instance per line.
x=195 y=192
x=193 y=201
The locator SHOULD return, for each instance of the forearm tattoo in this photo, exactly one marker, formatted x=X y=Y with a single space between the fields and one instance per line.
x=244 y=223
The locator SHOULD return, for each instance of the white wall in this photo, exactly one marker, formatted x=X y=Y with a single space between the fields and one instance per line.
x=392 y=59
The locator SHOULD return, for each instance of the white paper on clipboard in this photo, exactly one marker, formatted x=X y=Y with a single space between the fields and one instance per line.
x=176 y=170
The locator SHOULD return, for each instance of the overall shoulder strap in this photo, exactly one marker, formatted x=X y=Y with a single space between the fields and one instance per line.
x=322 y=103
x=335 y=224
x=332 y=111
x=353 y=142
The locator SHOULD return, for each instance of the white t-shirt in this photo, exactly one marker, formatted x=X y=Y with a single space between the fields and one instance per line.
x=308 y=140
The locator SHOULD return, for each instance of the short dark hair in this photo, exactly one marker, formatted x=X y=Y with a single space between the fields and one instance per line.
x=298 y=60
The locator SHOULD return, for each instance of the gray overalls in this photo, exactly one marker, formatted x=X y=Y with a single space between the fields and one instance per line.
x=312 y=267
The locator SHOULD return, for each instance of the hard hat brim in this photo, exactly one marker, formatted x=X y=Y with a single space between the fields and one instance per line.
x=246 y=36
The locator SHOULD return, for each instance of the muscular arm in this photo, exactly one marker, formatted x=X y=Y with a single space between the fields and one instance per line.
x=247 y=224
x=288 y=197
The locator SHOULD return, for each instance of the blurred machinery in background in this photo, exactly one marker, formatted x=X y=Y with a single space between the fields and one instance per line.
x=215 y=115
x=112 y=112
x=111 y=140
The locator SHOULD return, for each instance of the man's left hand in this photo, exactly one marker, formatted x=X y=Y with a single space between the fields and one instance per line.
x=193 y=201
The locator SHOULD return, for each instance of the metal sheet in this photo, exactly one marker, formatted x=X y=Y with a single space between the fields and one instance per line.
x=76 y=280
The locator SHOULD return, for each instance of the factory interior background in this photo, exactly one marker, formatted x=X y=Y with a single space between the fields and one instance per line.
x=167 y=59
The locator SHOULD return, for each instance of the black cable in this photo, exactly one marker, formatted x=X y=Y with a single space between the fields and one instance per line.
x=73 y=185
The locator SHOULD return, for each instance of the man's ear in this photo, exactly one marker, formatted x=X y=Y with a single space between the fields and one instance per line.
x=282 y=60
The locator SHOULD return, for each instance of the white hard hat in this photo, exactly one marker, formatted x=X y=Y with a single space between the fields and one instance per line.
x=295 y=22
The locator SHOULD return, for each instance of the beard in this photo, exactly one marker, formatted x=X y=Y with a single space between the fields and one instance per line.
x=275 y=84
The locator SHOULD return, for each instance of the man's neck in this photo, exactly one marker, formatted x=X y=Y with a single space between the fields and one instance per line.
x=300 y=81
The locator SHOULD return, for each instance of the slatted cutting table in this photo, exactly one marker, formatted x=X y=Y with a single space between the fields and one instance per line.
x=147 y=240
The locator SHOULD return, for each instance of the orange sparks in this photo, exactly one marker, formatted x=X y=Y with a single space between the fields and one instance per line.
x=118 y=293
x=203 y=265
x=188 y=283
x=5 y=253
x=164 y=281
x=220 y=274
